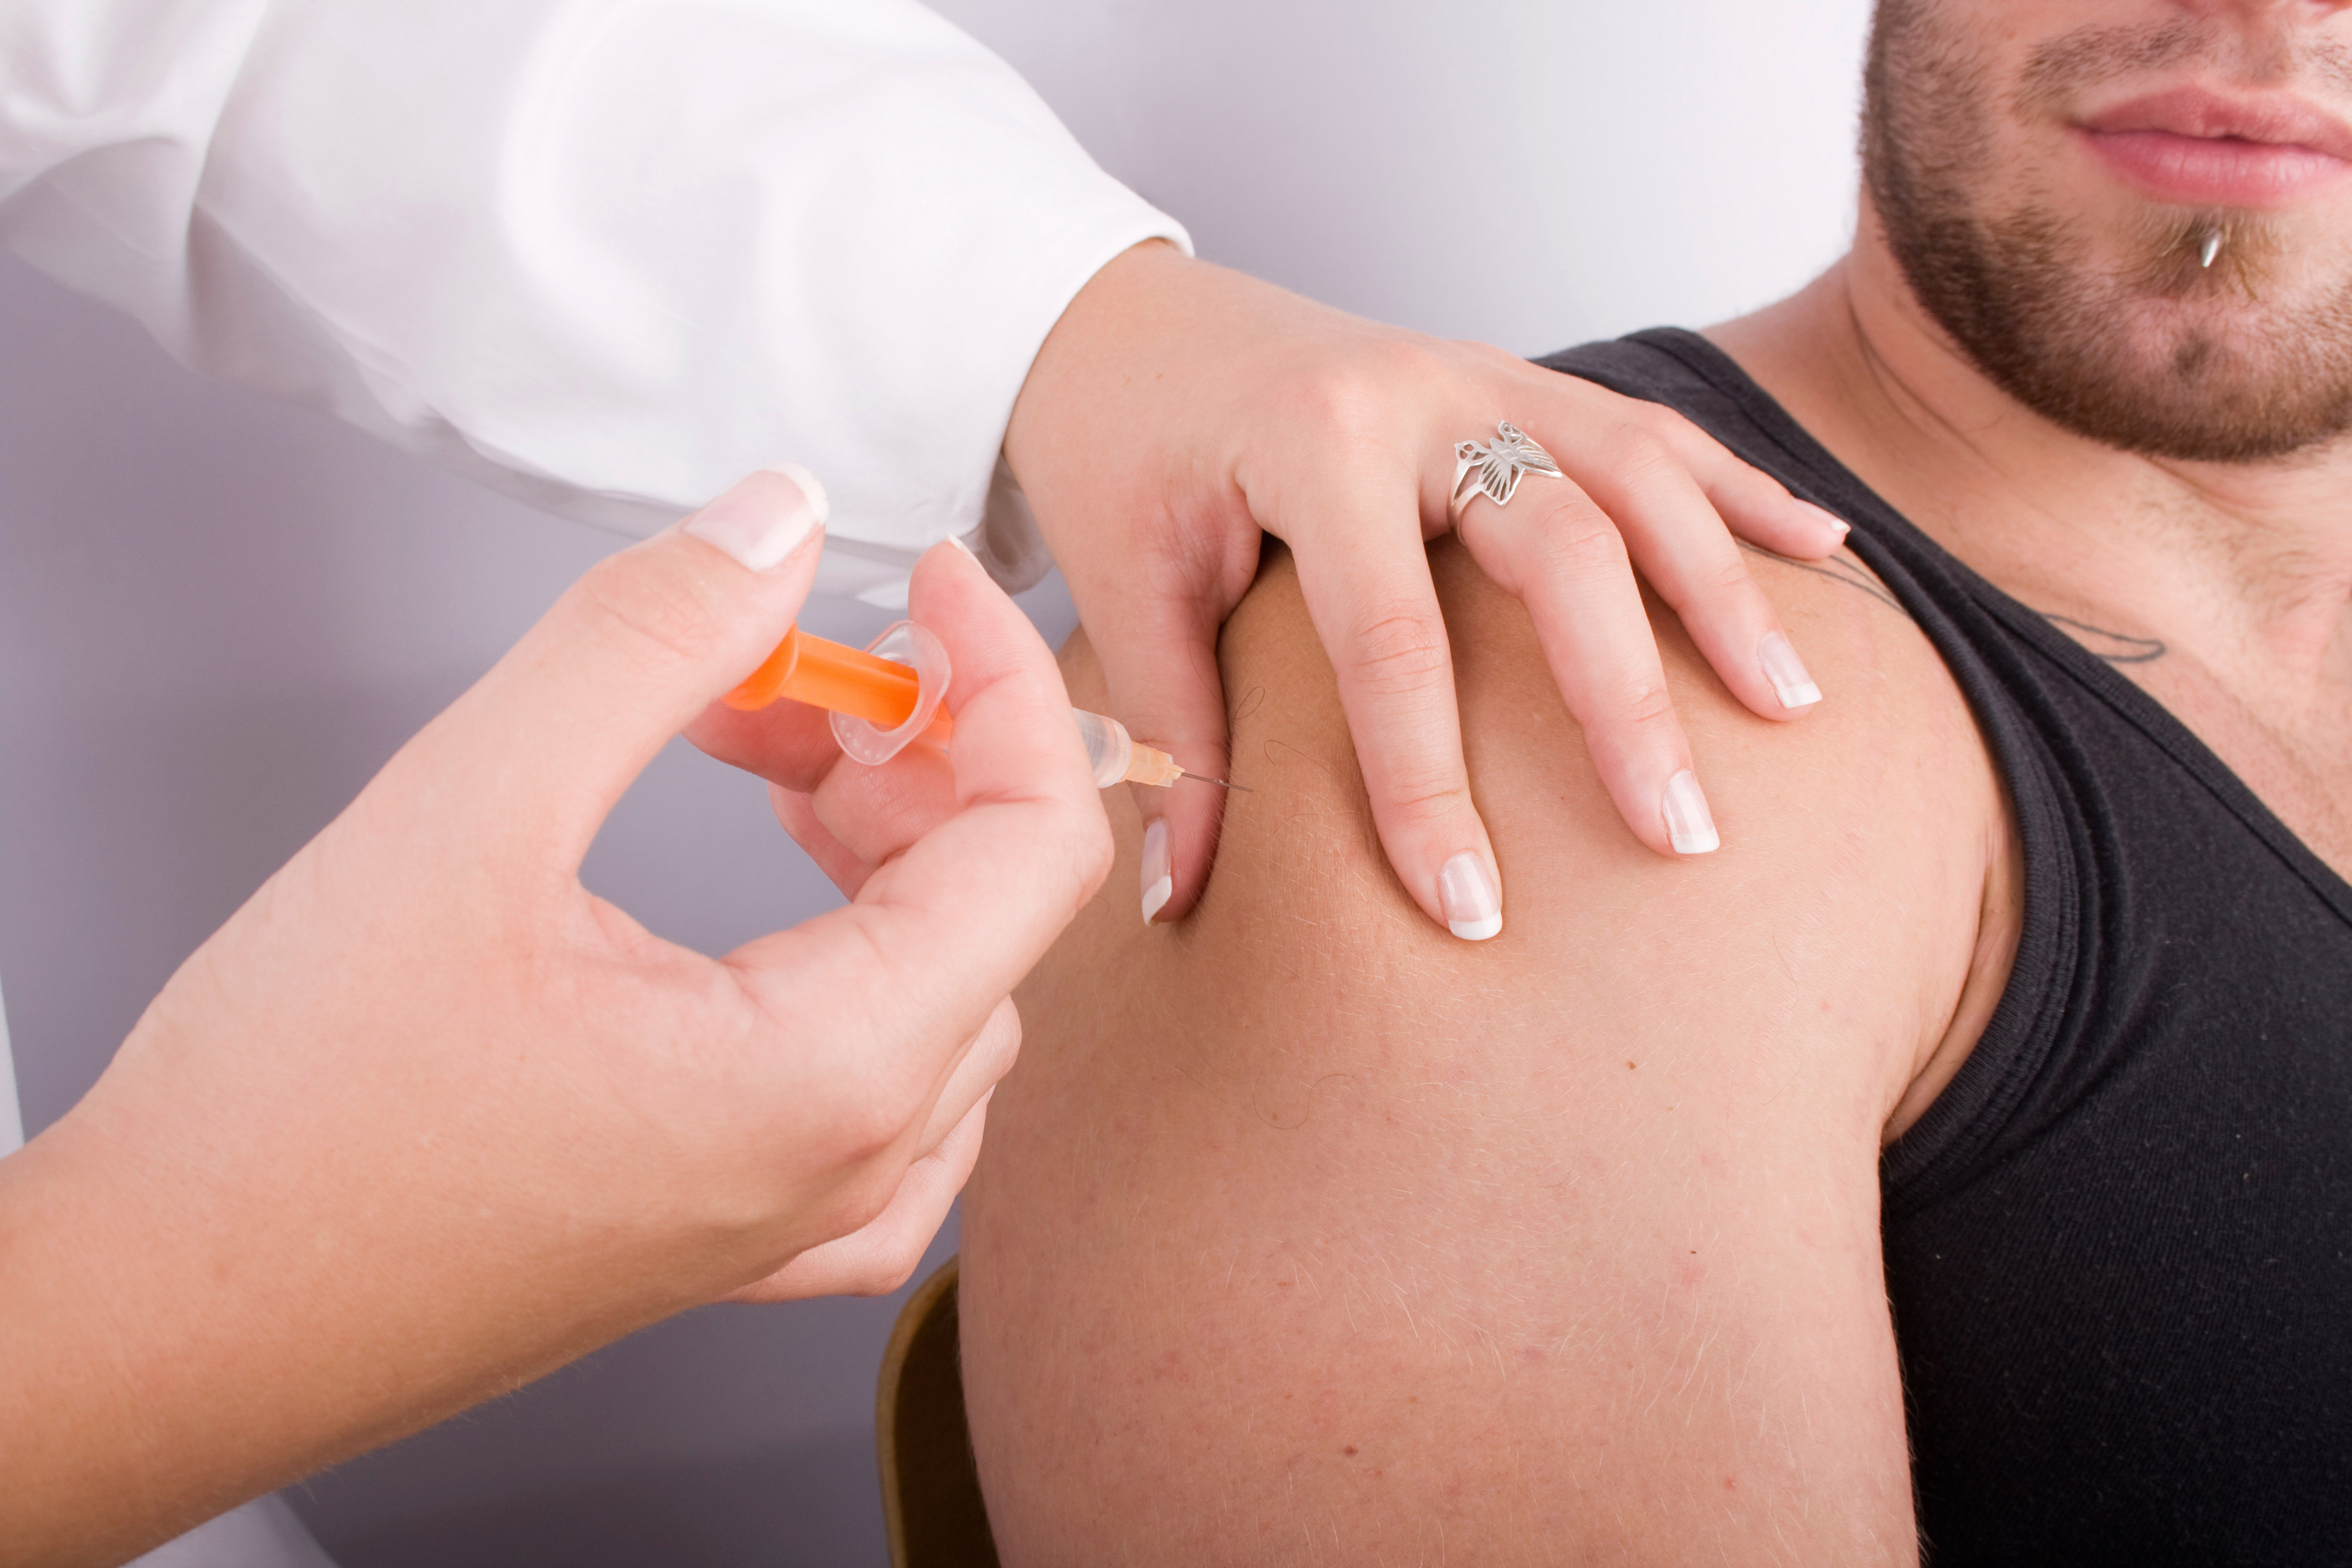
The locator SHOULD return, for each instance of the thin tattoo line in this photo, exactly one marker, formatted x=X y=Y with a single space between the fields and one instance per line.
x=1851 y=577
x=2145 y=650
x=2140 y=650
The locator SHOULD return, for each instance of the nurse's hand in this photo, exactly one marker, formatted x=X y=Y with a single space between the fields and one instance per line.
x=425 y=1119
x=1178 y=410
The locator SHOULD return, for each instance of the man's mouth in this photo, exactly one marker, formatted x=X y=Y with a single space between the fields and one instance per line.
x=2202 y=148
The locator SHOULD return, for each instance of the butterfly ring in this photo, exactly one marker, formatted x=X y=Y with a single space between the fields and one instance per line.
x=1495 y=469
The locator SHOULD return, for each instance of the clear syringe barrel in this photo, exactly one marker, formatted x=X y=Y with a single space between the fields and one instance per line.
x=1115 y=756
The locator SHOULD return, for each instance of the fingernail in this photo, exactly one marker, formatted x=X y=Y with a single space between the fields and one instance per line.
x=1689 y=825
x=1158 y=871
x=960 y=544
x=1474 y=910
x=1833 y=518
x=764 y=519
x=1786 y=671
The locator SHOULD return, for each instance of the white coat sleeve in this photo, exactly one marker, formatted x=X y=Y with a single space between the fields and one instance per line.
x=606 y=254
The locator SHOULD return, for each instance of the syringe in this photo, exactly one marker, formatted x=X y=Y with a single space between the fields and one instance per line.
x=876 y=699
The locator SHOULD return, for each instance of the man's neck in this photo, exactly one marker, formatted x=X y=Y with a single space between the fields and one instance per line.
x=2256 y=558
x=2241 y=574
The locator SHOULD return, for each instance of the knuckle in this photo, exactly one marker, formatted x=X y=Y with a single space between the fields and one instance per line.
x=666 y=615
x=1580 y=543
x=869 y=1126
x=1416 y=365
x=1726 y=578
x=1093 y=853
x=864 y=1203
x=1668 y=427
x=887 y=1272
x=1359 y=392
x=1342 y=397
x=999 y=1033
x=1648 y=704
x=1759 y=486
x=1417 y=797
x=1399 y=652
x=1643 y=457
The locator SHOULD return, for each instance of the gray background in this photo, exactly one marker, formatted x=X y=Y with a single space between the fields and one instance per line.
x=219 y=616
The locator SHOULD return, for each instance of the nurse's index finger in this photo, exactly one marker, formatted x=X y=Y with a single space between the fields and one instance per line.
x=1160 y=667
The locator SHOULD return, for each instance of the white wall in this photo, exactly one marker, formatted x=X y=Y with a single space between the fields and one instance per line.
x=219 y=616
x=1532 y=173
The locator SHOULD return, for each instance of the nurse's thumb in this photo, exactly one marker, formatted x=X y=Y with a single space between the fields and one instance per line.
x=634 y=649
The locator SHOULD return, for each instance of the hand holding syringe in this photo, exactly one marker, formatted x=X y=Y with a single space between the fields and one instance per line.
x=883 y=697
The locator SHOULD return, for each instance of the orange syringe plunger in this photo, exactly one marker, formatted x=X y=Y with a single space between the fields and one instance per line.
x=834 y=676
x=884 y=693
x=882 y=698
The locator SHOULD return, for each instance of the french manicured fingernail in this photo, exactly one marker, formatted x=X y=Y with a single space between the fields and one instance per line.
x=1689 y=825
x=1159 y=870
x=1827 y=516
x=1786 y=671
x=1465 y=889
x=764 y=519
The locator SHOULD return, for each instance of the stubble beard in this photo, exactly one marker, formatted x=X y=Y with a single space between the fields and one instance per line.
x=2167 y=354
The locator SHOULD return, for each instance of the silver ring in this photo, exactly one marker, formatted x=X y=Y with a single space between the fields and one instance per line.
x=1493 y=469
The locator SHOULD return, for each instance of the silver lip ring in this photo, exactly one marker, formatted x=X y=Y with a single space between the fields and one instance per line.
x=1495 y=469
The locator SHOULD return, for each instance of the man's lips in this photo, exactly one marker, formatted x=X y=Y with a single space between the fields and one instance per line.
x=2207 y=149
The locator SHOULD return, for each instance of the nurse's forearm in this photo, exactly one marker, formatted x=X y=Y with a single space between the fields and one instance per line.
x=186 y=1326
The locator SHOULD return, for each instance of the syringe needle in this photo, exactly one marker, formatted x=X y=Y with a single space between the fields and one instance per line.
x=1116 y=756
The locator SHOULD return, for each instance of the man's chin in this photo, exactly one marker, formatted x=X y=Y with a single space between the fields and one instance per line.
x=2216 y=346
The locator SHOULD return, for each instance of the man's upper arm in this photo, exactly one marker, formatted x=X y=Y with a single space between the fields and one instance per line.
x=1306 y=1233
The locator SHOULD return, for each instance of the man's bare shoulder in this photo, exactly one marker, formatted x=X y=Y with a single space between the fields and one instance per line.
x=1305 y=1217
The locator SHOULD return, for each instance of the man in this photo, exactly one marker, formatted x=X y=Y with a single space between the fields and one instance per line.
x=1960 y=1160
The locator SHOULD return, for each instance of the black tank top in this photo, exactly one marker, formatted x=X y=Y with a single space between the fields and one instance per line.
x=2119 y=1246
